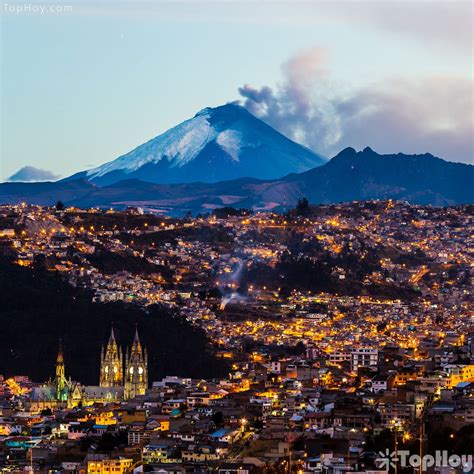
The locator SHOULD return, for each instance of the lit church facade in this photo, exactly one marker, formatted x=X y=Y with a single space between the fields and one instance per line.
x=120 y=379
x=134 y=380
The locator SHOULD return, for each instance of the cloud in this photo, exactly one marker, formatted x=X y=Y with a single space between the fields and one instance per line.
x=431 y=114
x=31 y=174
x=433 y=23
x=295 y=108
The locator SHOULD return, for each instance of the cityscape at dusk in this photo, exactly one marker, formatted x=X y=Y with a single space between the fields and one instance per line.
x=237 y=237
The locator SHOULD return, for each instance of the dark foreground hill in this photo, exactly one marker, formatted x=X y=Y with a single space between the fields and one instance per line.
x=37 y=309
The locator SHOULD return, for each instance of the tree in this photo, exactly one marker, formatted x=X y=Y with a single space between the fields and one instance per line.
x=218 y=419
x=39 y=262
x=228 y=211
x=285 y=292
x=59 y=206
x=299 y=348
x=302 y=207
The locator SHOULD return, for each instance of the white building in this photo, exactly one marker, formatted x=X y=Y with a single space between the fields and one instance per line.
x=364 y=358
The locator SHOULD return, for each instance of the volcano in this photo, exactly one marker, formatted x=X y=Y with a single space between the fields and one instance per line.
x=217 y=144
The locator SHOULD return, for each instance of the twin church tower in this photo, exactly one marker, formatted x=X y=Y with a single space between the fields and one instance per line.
x=135 y=378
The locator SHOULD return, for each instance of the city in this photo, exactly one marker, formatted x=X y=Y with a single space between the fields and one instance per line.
x=237 y=237
x=342 y=330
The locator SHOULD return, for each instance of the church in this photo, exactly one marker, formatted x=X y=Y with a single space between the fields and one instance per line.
x=121 y=378
x=134 y=380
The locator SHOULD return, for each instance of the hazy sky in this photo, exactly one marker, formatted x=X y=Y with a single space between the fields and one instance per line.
x=80 y=87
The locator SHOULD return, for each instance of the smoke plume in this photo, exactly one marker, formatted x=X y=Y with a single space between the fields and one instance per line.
x=432 y=114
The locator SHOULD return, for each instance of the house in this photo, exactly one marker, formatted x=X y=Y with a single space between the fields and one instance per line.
x=237 y=468
x=225 y=435
x=112 y=466
x=380 y=383
x=364 y=357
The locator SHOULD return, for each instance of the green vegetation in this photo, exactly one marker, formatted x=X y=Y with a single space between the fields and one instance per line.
x=226 y=212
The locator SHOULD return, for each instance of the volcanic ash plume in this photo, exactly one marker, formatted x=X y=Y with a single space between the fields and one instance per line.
x=232 y=297
x=232 y=280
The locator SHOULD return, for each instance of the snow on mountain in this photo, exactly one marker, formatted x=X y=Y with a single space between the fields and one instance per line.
x=178 y=145
x=225 y=142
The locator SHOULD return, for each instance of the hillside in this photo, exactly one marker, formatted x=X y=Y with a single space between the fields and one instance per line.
x=38 y=308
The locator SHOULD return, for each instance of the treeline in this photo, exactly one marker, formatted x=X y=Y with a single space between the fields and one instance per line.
x=302 y=272
x=112 y=262
x=229 y=211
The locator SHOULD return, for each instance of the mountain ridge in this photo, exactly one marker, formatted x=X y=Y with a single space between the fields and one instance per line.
x=349 y=176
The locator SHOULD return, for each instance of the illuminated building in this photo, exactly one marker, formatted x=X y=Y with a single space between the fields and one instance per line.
x=364 y=357
x=111 y=364
x=56 y=393
x=61 y=384
x=136 y=369
x=64 y=393
x=106 y=466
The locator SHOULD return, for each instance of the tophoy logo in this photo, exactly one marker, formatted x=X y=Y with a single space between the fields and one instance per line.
x=386 y=459
x=389 y=459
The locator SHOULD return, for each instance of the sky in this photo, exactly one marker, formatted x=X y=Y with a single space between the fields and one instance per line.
x=84 y=82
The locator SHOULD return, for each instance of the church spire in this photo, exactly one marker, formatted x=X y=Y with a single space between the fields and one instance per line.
x=136 y=369
x=60 y=381
x=60 y=360
x=112 y=335
x=137 y=345
x=111 y=366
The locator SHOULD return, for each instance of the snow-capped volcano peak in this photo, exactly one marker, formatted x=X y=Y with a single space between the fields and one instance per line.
x=178 y=145
x=219 y=143
x=204 y=111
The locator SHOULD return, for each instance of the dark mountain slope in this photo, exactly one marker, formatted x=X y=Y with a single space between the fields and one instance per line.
x=421 y=179
x=46 y=193
x=38 y=308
